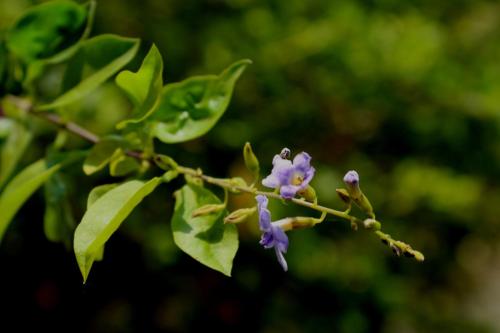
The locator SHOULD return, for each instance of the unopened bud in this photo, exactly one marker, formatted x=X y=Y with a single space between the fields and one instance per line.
x=298 y=222
x=251 y=161
x=239 y=215
x=207 y=209
x=351 y=180
x=343 y=195
x=308 y=193
x=165 y=162
x=371 y=224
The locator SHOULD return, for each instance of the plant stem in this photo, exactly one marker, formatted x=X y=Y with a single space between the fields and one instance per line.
x=398 y=247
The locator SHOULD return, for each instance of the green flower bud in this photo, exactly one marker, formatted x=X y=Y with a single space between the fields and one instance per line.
x=251 y=161
x=308 y=193
x=298 y=222
x=165 y=162
x=343 y=195
x=239 y=215
x=371 y=224
x=351 y=180
x=207 y=209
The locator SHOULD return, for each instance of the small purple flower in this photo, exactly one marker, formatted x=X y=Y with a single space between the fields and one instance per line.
x=273 y=235
x=290 y=177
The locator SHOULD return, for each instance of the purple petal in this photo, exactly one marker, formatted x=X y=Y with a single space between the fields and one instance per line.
x=308 y=176
x=351 y=177
x=281 y=259
x=280 y=239
x=264 y=213
x=271 y=181
x=302 y=162
x=289 y=191
x=267 y=240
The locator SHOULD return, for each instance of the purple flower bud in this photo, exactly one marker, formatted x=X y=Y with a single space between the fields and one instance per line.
x=273 y=235
x=290 y=177
x=351 y=178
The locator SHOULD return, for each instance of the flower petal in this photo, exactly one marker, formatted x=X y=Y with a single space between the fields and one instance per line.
x=264 y=213
x=289 y=191
x=281 y=259
x=280 y=239
x=271 y=181
x=302 y=162
x=308 y=176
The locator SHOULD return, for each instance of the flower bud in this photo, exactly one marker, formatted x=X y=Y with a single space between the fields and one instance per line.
x=251 y=161
x=207 y=209
x=371 y=224
x=308 y=193
x=239 y=215
x=351 y=180
x=165 y=162
x=298 y=222
x=343 y=195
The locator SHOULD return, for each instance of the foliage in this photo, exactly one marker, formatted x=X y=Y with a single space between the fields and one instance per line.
x=406 y=92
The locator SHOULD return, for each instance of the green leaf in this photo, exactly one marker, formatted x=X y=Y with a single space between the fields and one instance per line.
x=96 y=60
x=59 y=222
x=98 y=192
x=144 y=86
x=205 y=238
x=123 y=165
x=103 y=218
x=12 y=149
x=21 y=188
x=95 y=194
x=190 y=108
x=102 y=153
x=47 y=29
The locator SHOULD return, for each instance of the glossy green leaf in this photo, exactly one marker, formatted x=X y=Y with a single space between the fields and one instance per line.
x=98 y=192
x=205 y=238
x=104 y=217
x=13 y=147
x=21 y=188
x=190 y=108
x=95 y=194
x=96 y=60
x=144 y=86
x=59 y=222
x=123 y=165
x=47 y=29
x=101 y=154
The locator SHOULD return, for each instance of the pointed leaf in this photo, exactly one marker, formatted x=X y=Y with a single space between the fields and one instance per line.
x=97 y=60
x=205 y=238
x=59 y=222
x=101 y=154
x=47 y=29
x=190 y=108
x=21 y=188
x=104 y=217
x=12 y=149
x=144 y=86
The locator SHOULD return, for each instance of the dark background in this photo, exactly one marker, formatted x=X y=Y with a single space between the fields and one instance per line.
x=406 y=93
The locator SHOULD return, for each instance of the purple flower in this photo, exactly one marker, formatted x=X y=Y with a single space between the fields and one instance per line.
x=290 y=177
x=273 y=235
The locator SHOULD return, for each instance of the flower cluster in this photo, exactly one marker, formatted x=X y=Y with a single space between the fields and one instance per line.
x=290 y=177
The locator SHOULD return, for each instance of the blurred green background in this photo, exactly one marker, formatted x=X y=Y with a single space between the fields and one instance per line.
x=407 y=93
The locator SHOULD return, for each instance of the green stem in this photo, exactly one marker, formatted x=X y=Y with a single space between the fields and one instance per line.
x=397 y=246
